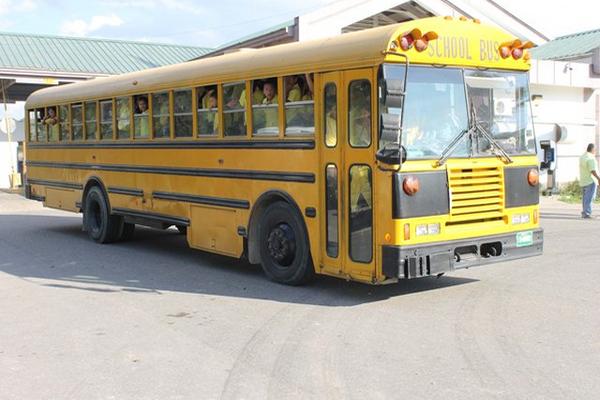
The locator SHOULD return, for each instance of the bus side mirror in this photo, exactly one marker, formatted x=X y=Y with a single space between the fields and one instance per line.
x=549 y=155
x=393 y=93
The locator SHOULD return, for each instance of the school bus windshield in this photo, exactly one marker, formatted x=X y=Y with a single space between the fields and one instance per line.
x=436 y=110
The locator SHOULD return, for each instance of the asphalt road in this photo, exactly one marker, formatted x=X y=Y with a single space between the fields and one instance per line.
x=152 y=319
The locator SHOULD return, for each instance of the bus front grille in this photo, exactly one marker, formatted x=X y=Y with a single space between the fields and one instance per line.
x=476 y=195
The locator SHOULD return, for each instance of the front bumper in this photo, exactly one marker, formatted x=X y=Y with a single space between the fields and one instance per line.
x=433 y=259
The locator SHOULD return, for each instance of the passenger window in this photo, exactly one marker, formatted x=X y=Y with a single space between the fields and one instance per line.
x=52 y=125
x=161 y=107
x=299 y=105
x=330 y=120
x=361 y=214
x=65 y=123
x=208 y=111
x=182 y=112
x=331 y=203
x=77 y=118
x=40 y=127
x=140 y=118
x=265 y=111
x=234 y=117
x=106 y=120
x=359 y=117
x=123 y=118
x=90 y=120
x=32 y=121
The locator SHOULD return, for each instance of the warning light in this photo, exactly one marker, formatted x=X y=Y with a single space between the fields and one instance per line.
x=516 y=49
x=417 y=39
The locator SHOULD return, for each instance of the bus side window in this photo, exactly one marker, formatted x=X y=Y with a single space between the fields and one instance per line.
x=40 y=127
x=77 y=118
x=208 y=111
x=265 y=109
x=141 y=123
x=106 y=120
x=299 y=105
x=330 y=116
x=359 y=116
x=234 y=121
x=90 y=120
x=65 y=122
x=32 y=121
x=161 y=111
x=123 y=117
x=182 y=113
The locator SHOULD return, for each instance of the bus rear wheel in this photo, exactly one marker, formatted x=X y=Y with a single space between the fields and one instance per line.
x=99 y=224
x=284 y=248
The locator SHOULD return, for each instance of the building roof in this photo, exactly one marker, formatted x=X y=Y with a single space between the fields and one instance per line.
x=277 y=34
x=568 y=47
x=83 y=55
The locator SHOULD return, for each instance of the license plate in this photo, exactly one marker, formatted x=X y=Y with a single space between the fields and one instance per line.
x=524 y=239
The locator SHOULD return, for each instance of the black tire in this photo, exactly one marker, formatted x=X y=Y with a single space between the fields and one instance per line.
x=284 y=248
x=127 y=232
x=99 y=224
x=182 y=229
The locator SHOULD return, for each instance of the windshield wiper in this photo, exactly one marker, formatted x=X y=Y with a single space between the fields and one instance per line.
x=474 y=132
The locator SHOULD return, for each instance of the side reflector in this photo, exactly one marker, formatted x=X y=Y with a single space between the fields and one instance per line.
x=536 y=216
x=406 y=231
x=411 y=185
x=533 y=177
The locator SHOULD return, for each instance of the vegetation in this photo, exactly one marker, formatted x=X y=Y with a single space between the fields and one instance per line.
x=571 y=193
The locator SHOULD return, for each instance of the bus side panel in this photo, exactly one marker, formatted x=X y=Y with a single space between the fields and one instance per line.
x=215 y=229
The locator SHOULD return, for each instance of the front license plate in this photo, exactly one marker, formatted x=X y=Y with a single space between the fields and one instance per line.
x=524 y=239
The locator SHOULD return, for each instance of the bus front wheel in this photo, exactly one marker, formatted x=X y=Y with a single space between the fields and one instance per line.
x=99 y=224
x=284 y=248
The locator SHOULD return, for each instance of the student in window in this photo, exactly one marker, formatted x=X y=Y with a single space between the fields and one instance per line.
x=292 y=89
x=270 y=92
x=52 y=121
x=142 y=128
x=212 y=117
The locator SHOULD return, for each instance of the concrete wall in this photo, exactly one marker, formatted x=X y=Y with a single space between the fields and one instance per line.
x=6 y=151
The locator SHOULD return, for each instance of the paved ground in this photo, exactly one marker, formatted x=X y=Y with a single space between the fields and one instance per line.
x=152 y=319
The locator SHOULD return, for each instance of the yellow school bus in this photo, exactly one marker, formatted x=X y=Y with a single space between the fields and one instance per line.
x=397 y=152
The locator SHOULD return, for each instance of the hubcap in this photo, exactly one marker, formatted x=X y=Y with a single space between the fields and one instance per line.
x=281 y=243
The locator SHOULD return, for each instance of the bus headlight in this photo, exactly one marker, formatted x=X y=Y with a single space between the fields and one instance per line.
x=521 y=219
x=428 y=229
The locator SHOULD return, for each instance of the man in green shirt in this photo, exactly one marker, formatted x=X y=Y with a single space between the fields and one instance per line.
x=588 y=170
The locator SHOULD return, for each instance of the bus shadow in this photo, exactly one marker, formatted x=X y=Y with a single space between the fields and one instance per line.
x=54 y=252
x=560 y=216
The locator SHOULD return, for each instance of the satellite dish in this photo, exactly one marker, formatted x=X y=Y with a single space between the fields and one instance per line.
x=8 y=125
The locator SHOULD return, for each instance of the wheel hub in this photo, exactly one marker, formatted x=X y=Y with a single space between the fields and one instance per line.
x=281 y=243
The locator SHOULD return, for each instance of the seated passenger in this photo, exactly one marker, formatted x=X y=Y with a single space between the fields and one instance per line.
x=292 y=89
x=142 y=128
x=270 y=92
x=52 y=121
x=213 y=116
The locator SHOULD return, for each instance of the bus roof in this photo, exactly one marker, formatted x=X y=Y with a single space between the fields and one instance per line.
x=459 y=42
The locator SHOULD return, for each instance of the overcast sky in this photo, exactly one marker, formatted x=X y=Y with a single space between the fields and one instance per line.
x=210 y=23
